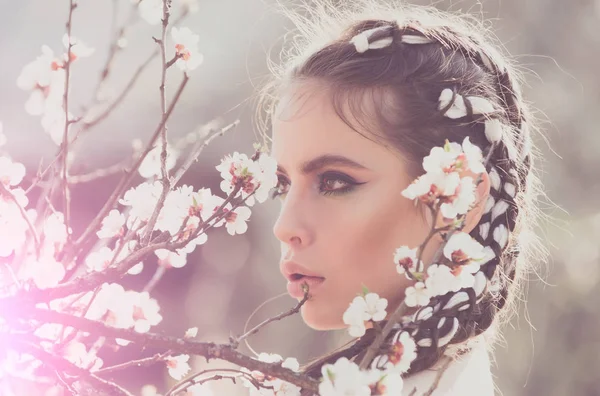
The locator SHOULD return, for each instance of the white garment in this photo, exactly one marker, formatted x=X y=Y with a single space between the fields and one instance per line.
x=468 y=375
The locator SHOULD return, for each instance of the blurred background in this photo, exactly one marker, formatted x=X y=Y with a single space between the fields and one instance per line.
x=552 y=347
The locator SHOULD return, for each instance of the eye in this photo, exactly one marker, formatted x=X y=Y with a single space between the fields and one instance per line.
x=281 y=188
x=335 y=183
x=330 y=183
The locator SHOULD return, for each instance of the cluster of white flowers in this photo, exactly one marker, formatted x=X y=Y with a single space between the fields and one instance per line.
x=465 y=256
x=442 y=182
x=257 y=177
x=344 y=378
x=44 y=79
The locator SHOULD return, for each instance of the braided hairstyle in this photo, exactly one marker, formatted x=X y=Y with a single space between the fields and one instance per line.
x=404 y=57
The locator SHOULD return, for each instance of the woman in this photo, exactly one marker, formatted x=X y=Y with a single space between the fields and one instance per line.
x=363 y=99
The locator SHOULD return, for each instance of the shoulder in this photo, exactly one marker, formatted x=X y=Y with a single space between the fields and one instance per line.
x=466 y=374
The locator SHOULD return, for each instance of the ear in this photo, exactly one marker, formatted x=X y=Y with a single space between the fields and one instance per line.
x=482 y=192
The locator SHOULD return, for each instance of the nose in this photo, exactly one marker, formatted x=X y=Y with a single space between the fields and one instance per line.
x=292 y=225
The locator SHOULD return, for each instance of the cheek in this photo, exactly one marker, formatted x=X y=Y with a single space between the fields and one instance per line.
x=367 y=241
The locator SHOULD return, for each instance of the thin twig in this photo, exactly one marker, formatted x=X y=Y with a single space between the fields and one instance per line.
x=133 y=363
x=188 y=382
x=282 y=315
x=438 y=377
x=89 y=124
x=65 y=140
x=114 y=47
x=197 y=149
x=166 y=184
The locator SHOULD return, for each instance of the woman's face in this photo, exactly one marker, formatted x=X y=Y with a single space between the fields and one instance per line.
x=342 y=215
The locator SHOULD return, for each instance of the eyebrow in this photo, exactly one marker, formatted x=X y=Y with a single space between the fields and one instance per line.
x=324 y=160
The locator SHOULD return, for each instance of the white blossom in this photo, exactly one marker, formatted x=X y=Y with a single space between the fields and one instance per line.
x=186 y=47
x=191 y=332
x=433 y=185
x=142 y=199
x=402 y=353
x=273 y=386
x=168 y=258
x=11 y=173
x=234 y=220
x=258 y=177
x=386 y=383
x=112 y=224
x=441 y=280
x=416 y=295
x=178 y=366
x=150 y=166
x=361 y=309
x=175 y=210
x=145 y=311
x=462 y=249
x=78 y=48
x=404 y=257
x=473 y=155
x=100 y=259
x=461 y=202
x=344 y=378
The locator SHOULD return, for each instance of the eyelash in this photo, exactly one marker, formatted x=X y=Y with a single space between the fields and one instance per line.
x=327 y=176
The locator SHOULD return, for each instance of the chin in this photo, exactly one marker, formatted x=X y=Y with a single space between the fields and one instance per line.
x=320 y=317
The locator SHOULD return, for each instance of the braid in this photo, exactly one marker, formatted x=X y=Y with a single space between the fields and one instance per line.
x=457 y=316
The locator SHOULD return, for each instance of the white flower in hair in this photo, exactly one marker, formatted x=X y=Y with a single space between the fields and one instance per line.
x=344 y=378
x=462 y=249
x=414 y=39
x=416 y=295
x=461 y=202
x=402 y=352
x=433 y=185
x=473 y=155
x=404 y=258
x=362 y=44
x=458 y=108
x=441 y=280
x=186 y=47
x=442 y=159
x=375 y=306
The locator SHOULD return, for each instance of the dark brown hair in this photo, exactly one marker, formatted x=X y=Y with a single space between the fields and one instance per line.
x=404 y=81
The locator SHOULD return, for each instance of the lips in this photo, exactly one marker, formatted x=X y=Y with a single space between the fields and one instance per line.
x=298 y=276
